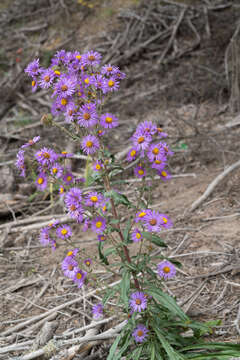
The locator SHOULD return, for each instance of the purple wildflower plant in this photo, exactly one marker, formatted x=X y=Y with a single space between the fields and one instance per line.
x=90 y=144
x=140 y=333
x=164 y=175
x=165 y=221
x=139 y=172
x=56 y=170
x=41 y=181
x=97 y=311
x=108 y=121
x=64 y=232
x=101 y=237
x=88 y=262
x=92 y=58
x=46 y=78
x=68 y=178
x=147 y=127
x=33 y=69
x=132 y=154
x=66 y=86
x=44 y=236
x=46 y=156
x=31 y=142
x=138 y=301
x=98 y=224
x=87 y=115
x=72 y=253
x=152 y=221
x=94 y=199
x=79 y=277
x=141 y=140
x=136 y=235
x=141 y=215
x=112 y=84
x=166 y=270
x=98 y=165
x=69 y=267
x=73 y=197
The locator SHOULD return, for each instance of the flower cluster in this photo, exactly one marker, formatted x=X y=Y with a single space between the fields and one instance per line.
x=147 y=148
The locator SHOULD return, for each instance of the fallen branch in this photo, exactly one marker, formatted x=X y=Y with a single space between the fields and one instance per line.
x=213 y=185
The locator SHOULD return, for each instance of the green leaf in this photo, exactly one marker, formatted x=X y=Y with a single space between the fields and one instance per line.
x=112 y=352
x=126 y=231
x=109 y=293
x=109 y=251
x=126 y=343
x=168 y=348
x=154 y=239
x=125 y=286
x=153 y=352
x=101 y=255
x=168 y=302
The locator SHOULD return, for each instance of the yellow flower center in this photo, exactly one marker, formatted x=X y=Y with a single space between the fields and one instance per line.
x=98 y=167
x=70 y=253
x=140 y=139
x=163 y=173
x=91 y=57
x=64 y=88
x=140 y=333
x=86 y=116
x=138 y=301
x=40 y=181
x=158 y=162
x=46 y=155
x=111 y=83
x=133 y=153
x=73 y=207
x=64 y=101
x=61 y=190
x=64 y=152
x=86 y=81
x=89 y=144
x=70 y=267
x=46 y=78
x=98 y=224
x=64 y=231
x=54 y=170
x=57 y=72
x=166 y=269
x=78 y=57
x=33 y=83
x=87 y=263
x=69 y=178
x=94 y=198
x=140 y=171
x=79 y=276
x=109 y=68
x=108 y=120
x=142 y=214
x=165 y=220
x=138 y=235
x=104 y=208
x=155 y=151
x=159 y=129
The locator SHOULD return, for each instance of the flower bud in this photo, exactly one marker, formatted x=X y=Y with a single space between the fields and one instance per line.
x=46 y=120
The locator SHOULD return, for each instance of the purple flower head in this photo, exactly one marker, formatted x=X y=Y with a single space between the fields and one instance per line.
x=90 y=144
x=56 y=170
x=46 y=156
x=97 y=311
x=59 y=57
x=87 y=115
x=65 y=155
x=99 y=82
x=141 y=140
x=72 y=253
x=164 y=175
x=152 y=221
x=140 y=172
x=136 y=235
x=86 y=225
x=119 y=75
x=156 y=152
x=88 y=262
x=44 y=236
x=92 y=58
x=41 y=181
x=64 y=232
x=79 y=277
x=73 y=197
x=87 y=80
x=98 y=165
x=69 y=267
x=141 y=215
x=159 y=164
x=76 y=213
x=33 y=68
x=147 y=127
x=109 y=70
x=165 y=221
x=98 y=224
x=34 y=85
x=94 y=199
x=70 y=112
x=53 y=245
x=31 y=142
x=46 y=78
x=161 y=133
x=101 y=237
x=167 y=150
x=132 y=154
x=100 y=132
x=53 y=224
x=166 y=270
x=20 y=163
x=112 y=84
x=108 y=121
x=66 y=86
x=61 y=191
x=138 y=301
x=140 y=333
x=68 y=178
